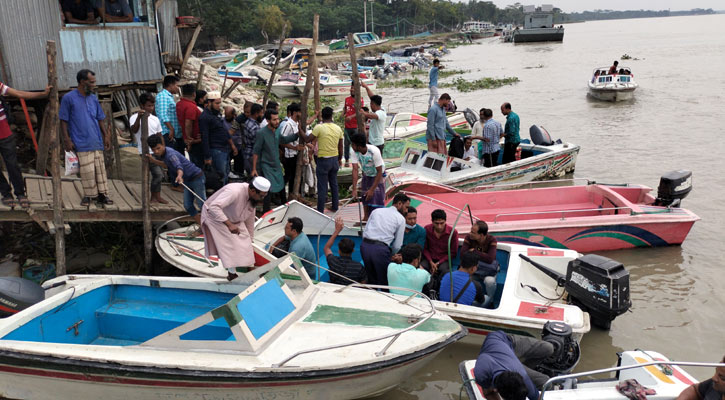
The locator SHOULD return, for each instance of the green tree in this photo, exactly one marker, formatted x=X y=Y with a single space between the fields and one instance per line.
x=270 y=20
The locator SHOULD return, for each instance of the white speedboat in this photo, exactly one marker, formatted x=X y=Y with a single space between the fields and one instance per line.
x=650 y=369
x=515 y=308
x=122 y=337
x=619 y=86
x=293 y=84
x=406 y=124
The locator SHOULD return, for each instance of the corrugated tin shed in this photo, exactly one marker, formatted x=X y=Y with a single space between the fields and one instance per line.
x=118 y=53
x=170 y=42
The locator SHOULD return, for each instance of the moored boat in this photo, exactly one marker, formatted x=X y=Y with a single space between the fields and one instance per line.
x=538 y=26
x=478 y=29
x=585 y=218
x=619 y=86
x=648 y=368
x=120 y=337
x=538 y=161
x=406 y=124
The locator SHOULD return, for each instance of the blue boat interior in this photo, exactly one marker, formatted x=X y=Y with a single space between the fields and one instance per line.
x=124 y=315
x=322 y=275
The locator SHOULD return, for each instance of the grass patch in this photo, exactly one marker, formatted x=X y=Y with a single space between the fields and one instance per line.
x=444 y=73
x=412 y=83
x=463 y=85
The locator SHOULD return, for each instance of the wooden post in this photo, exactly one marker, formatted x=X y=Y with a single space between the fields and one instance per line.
x=114 y=153
x=274 y=67
x=304 y=99
x=54 y=141
x=189 y=48
x=200 y=77
x=224 y=82
x=356 y=84
x=315 y=70
x=146 y=194
x=41 y=161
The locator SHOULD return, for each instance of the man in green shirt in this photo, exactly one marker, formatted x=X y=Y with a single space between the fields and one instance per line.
x=511 y=133
x=265 y=161
x=409 y=274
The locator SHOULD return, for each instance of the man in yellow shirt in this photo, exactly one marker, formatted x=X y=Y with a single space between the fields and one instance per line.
x=329 y=138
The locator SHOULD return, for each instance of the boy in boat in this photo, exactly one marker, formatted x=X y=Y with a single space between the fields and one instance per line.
x=711 y=389
x=613 y=68
x=373 y=170
x=343 y=270
x=436 y=249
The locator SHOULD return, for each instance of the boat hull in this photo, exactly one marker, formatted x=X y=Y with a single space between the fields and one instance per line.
x=44 y=378
x=538 y=35
x=612 y=94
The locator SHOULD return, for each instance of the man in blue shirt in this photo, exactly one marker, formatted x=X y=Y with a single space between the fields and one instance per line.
x=170 y=127
x=185 y=172
x=80 y=122
x=511 y=133
x=465 y=290
x=433 y=82
x=438 y=125
x=300 y=245
x=506 y=365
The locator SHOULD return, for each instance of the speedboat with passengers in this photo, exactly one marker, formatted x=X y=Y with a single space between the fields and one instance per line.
x=649 y=369
x=618 y=86
x=585 y=218
x=262 y=336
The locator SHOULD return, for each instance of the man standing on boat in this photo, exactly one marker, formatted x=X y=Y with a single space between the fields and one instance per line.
x=373 y=170
x=329 y=138
x=511 y=133
x=490 y=132
x=227 y=220
x=433 y=82
x=382 y=237
x=348 y=111
x=438 y=125
x=378 y=117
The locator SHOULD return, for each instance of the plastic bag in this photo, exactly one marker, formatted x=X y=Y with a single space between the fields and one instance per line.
x=72 y=165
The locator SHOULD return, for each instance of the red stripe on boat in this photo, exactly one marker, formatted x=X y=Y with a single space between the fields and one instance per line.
x=10 y=310
x=544 y=252
x=478 y=387
x=532 y=310
x=677 y=373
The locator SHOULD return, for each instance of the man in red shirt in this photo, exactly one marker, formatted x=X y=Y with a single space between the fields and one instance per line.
x=188 y=115
x=435 y=253
x=8 y=149
x=350 y=117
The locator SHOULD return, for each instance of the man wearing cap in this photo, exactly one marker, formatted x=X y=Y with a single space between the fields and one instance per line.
x=227 y=221
x=215 y=137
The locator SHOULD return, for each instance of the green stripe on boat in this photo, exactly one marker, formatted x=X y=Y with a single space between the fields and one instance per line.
x=326 y=314
x=615 y=235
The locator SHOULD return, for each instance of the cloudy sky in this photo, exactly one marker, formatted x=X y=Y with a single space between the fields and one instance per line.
x=582 y=5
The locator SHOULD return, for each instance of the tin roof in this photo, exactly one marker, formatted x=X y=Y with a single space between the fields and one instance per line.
x=117 y=53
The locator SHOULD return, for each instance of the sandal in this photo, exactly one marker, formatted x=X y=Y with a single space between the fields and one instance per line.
x=9 y=201
x=86 y=201
x=24 y=202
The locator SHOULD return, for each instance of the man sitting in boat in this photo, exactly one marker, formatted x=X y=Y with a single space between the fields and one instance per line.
x=466 y=291
x=482 y=245
x=506 y=363
x=408 y=274
x=711 y=389
x=436 y=248
x=299 y=244
x=343 y=269
x=414 y=233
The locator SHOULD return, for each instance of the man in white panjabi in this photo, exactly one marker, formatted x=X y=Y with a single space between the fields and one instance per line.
x=227 y=220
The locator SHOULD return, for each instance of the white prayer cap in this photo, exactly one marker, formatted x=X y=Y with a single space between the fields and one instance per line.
x=213 y=95
x=262 y=184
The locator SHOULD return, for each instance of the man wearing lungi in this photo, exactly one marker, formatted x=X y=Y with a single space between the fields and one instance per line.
x=373 y=169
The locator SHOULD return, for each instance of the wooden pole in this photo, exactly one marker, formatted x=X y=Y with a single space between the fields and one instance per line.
x=315 y=70
x=274 y=67
x=54 y=141
x=146 y=194
x=224 y=82
x=189 y=48
x=200 y=77
x=356 y=84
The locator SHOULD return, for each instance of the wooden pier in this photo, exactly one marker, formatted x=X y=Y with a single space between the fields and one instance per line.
x=126 y=207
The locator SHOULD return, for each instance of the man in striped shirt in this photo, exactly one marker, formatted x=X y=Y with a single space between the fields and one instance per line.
x=166 y=112
x=8 y=149
x=490 y=132
x=249 y=135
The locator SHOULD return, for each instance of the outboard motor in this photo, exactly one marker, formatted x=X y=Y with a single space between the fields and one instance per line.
x=566 y=350
x=471 y=116
x=17 y=294
x=539 y=136
x=674 y=186
x=598 y=285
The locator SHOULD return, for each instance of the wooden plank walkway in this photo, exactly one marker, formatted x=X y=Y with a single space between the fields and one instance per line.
x=126 y=196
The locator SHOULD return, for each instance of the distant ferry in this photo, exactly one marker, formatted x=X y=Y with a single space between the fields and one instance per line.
x=478 y=29
x=539 y=26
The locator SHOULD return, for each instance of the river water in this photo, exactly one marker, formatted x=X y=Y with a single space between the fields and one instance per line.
x=674 y=122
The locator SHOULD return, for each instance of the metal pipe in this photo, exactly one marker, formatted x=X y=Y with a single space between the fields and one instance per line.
x=560 y=211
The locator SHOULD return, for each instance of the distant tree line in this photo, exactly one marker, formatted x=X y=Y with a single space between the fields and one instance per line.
x=250 y=22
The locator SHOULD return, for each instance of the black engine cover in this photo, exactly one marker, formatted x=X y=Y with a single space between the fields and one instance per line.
x=17 y=294
x=674 y=186
x=599 y=286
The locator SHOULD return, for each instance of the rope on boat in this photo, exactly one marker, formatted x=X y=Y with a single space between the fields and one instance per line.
x=463 y=385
